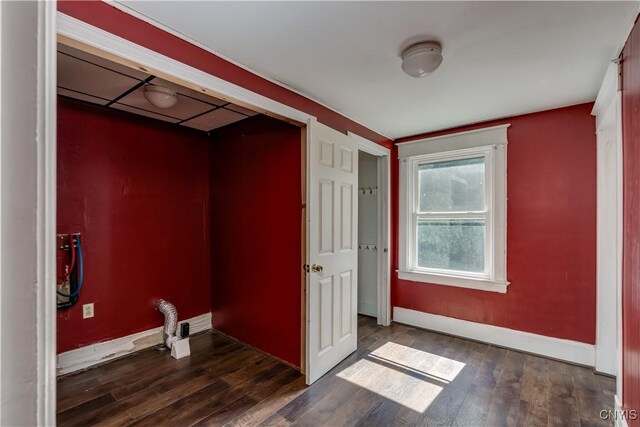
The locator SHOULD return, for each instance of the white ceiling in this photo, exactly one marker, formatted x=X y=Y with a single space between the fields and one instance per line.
x=500 y=58
x=93 y=79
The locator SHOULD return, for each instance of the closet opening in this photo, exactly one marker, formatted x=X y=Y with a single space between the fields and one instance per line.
x=168 y=193
x=368 y=225
x=373 y=231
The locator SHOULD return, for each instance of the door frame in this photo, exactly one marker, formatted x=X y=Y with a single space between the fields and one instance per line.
x=608 y=348
x=34 y=265
x=383 y=155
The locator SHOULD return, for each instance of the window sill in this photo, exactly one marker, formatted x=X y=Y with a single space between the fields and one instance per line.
x=457 y=281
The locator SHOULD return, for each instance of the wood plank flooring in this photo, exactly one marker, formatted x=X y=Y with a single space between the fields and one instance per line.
x=399 y=376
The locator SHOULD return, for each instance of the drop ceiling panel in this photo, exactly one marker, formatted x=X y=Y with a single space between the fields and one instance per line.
x=99 y=81
x=90 y=79
x=82 y=96
x=185 y=108
x=145 y=113
x=242 y=110
x=131 y=72
x=215 y=119
x=189 y=92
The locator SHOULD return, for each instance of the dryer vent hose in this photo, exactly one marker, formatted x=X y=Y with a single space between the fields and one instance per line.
x=170 y=321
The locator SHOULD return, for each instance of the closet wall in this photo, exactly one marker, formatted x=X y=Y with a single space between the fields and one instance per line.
x=256 y=219
x=138 y=190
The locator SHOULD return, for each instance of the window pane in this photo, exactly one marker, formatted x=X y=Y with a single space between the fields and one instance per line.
x=452 y=186
x=451 y=244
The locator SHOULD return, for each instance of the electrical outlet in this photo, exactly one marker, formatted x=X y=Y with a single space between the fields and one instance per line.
x=87 y=311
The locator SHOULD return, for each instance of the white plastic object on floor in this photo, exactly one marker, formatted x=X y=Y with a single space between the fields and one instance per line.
x=180 y=348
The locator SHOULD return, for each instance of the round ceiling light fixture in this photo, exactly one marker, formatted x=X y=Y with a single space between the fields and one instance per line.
x=160 y=96
x=422 y=59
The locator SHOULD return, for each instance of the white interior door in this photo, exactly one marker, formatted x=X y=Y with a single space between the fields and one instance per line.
x=332 y=280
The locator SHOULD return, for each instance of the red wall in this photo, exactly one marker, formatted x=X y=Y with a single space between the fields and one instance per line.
x=631 y=224
x=551 y=234
x=256 y=214
x=138 y=192
x=108 y=18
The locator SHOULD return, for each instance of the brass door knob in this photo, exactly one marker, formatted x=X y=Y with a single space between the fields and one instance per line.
x=316 y=268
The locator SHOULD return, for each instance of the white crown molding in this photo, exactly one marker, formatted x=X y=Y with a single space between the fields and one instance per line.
x=556 y=348
x=85 y=357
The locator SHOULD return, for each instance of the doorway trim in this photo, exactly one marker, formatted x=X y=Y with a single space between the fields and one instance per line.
x=46 y=215
x=383 y=155
x=608 y=348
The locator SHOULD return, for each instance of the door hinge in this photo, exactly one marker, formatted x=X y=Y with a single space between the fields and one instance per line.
x=305 y=268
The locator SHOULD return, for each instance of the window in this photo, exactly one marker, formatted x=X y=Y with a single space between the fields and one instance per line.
x=453 y=203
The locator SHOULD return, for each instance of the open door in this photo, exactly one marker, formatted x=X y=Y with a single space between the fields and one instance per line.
x=332 y=248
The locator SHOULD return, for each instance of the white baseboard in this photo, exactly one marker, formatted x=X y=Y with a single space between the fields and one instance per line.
x=84 y=357
x=556 y=348
x=368 y=308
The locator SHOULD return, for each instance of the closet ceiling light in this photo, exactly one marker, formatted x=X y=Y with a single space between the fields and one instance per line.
x=160 y=96
x=422 y=59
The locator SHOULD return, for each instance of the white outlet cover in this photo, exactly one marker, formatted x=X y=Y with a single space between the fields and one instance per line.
x=87 y=311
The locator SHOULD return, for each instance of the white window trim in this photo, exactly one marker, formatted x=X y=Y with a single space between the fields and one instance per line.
x=490 y=143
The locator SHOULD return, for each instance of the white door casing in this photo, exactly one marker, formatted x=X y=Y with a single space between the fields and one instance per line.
x=384 y=224
x=333 y=214
x=607 y=109
x=607 y=275
x=28 y=214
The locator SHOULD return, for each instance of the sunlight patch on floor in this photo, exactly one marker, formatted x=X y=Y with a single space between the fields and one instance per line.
x=405 y=375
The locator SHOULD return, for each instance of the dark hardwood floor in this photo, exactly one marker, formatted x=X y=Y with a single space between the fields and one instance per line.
x=399 y=376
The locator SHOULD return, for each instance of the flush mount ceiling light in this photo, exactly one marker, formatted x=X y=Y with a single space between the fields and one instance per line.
x=422 y=59
x=160 y=96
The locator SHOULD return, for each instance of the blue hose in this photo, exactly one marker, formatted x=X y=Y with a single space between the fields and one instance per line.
x=80 y=271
